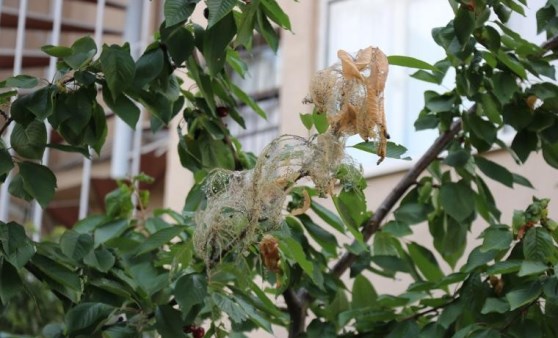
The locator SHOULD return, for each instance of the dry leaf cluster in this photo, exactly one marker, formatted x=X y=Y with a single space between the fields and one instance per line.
x=351 y=93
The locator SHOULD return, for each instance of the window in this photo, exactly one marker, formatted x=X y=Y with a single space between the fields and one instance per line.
x=398 y=27
x=262 y=84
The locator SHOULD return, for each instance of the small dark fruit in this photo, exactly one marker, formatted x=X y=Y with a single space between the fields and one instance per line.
x=222 y=111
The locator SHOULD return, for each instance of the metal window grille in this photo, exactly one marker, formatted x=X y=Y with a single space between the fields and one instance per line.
x=24 y=27
x=262 y=83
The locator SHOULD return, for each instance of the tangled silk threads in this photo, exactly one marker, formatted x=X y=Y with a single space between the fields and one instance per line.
x=243 y=205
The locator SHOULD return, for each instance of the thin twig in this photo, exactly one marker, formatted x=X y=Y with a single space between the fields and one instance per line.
x=9 y=120
x=430 y=310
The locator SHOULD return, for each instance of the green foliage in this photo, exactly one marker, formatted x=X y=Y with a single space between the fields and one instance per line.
x=127 y=273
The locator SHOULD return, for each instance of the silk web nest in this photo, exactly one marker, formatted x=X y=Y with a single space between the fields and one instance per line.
x=243 y=205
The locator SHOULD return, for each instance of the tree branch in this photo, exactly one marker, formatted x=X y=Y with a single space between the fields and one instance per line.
x=297 y=305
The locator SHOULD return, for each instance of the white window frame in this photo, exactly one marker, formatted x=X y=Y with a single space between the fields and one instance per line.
x=398 y=76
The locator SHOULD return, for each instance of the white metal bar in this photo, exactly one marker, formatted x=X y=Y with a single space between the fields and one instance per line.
x=54 y=40
x=123 y=134
x=136 y=150
x=86 y=173
x=18 y=57
x=20 y=38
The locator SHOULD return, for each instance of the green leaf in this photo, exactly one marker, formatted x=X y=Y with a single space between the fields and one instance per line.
x=11 y=284
x=265 y=28
x=351 y=206
x=123 y=107
x=17 y=188
x=537 y=245
x=450 y=314
x=495 y=171
x=504 y=267
x=292 y=249
x=29 y=142
x=246 y=99
x=464 y=24
x=363 y=293
x=514 y=6
x=276 y=14
x=522 y=181
x=118 y=66
x=75 y=245
x=384 y=244
x=38 y=181
x=505 y=86
x=491 y=108
x=478 y=258
x=550 y=153
x=218 y=9
x=84 y=317
x=407 y=328
x=450 y=237
x=160 y=238
x=320 y=329
x=397 y=229
x=325 y=239
x=458 y=200
x=496 y=239
x=234 y=310
x=328 y=216
x=511 y=63
x=236 y=63
x=307 y=120
x=215 y=42
x=409 y=62
x=411 y=213
x=551 y=288
x=425 y=261
x=190 y=290
x=495 y=305
x=6 y=162
x=531 y=268
x=57 y=272
x=100 y=259
x=457 y=158
x=320 y=122
x=110 y=230
x=178 y=11
x=179 y=42
x=57 y=51
x=83 y=51
x=394 y=150
x=523 y=296
x=17 y=247
x=367 y=315
x=120 y=332
x=21 y=81
x=246 y=26
x=524 y=143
